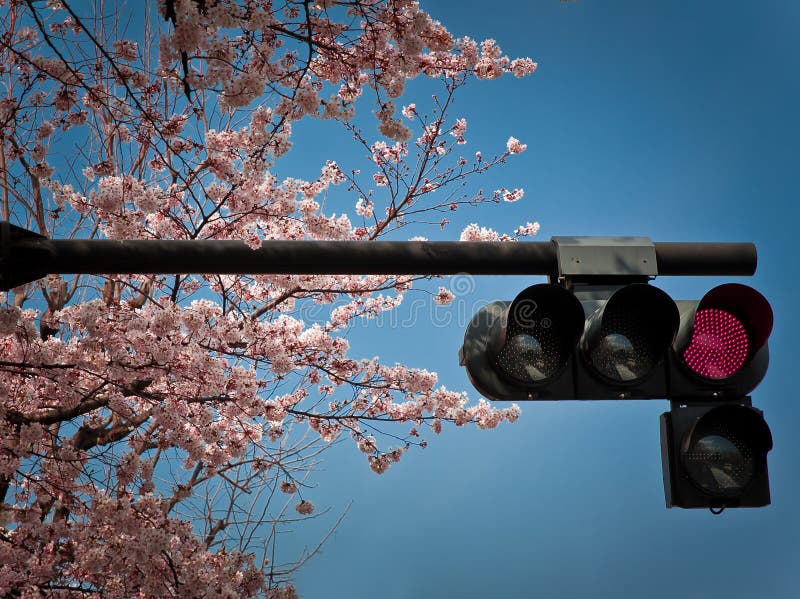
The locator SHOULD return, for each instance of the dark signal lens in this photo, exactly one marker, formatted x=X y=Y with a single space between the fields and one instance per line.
x=627 y=338
x=624 y=351
x=726 y=450
x=534 y=353
x=533 y=341
x=719 y=344
x=720 y=465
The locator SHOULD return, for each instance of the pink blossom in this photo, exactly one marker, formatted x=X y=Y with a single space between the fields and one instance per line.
x=126 y=49
x=304 y=507
x=458 y=130
x=77 y=118
x=514 y=146
x=367 y=444
x=228 y=383
x=475 y=233
x=364 y=207
x=45 y=130
x=444 y=296
x=379 y=464
x=173 y=126
x=521 y=67
x=65 y=98
x=42 y=170
x=528 y=229
x=513 y=195
x=39 y=152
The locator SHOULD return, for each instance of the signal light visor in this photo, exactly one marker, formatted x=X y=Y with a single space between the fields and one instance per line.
x=731 y=323
x=533 y=340
x=629 y=336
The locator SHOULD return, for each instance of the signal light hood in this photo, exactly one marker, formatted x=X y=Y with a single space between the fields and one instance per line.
x=748 y=305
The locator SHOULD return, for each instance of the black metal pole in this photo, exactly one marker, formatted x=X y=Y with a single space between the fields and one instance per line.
x=26 y=256
x=706 y=259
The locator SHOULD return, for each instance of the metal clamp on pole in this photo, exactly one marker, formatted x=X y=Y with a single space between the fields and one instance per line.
x=614 y=256
x=610 y=261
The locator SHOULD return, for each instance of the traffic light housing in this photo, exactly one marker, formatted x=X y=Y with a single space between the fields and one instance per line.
x=626 y=336
x=715 y=455
x=714 y=445
x=721 y=348
x=600 y=331
x=549 y=344
x=523 y=349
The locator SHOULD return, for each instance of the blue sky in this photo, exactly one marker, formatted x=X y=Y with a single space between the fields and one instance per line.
x=675 y=120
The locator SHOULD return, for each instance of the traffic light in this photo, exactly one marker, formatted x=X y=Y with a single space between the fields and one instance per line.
x=721 y=349
x=714 y=445
x=613 y=339
x=624 y=344
x=549 y=344
x=714 y=455
x=522 y=349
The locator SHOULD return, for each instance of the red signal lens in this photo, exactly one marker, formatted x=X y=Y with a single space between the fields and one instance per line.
x=719 y=344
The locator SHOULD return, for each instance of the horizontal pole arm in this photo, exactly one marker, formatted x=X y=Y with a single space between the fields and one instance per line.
x=25 y=257
x=706 y=258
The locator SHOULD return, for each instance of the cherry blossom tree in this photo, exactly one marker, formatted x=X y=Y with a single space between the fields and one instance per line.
x=156 y=431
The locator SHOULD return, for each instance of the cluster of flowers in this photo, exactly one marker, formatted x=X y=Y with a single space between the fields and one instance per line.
x=92 y=390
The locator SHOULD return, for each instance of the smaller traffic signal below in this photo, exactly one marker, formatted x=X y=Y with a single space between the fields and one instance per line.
x=715 y=456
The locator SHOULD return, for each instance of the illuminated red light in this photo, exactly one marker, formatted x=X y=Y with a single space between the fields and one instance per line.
x=719 y=344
